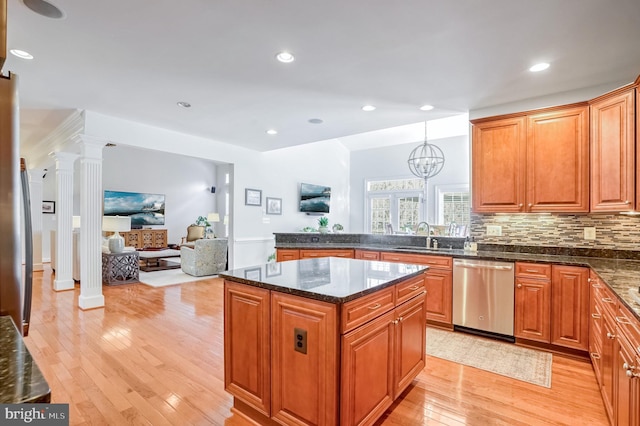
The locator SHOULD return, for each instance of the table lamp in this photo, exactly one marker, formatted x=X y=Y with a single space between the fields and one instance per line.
x=116 y=224
x=212 y=218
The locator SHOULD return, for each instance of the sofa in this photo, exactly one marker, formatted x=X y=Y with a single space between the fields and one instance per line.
x=204 y=257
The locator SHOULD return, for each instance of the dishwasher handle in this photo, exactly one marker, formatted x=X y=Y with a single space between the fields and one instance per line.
x=481 y=266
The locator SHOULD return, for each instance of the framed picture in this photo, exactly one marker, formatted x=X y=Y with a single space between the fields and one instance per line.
x=274 y=205
x=274 y=269
x=252 y=197
x=49 y=207
x=253 y=274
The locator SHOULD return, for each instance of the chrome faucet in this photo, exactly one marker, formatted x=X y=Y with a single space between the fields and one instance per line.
x=428 y=232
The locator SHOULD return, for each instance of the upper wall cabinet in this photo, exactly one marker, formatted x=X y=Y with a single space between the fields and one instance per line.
x=498 y=165
x=532 y=163
x=613 y=152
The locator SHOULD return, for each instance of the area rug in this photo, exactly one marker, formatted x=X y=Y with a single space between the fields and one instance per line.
x=168 y=277
x=502 y=358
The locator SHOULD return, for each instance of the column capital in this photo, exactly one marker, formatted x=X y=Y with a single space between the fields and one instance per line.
x=91 y=145
x=64 y=158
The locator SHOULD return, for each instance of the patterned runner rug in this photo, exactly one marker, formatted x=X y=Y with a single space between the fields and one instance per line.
x=502 y=358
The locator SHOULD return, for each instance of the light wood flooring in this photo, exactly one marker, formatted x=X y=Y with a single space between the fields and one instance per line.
x=154 y=356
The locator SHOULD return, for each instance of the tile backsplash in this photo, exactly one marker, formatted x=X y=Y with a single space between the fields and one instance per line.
x=613 y=231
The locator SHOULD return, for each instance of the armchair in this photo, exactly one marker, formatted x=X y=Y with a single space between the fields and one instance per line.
x=194 y=232
x=207 y=257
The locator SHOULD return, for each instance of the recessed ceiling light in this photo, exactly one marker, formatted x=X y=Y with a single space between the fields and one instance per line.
x=539 y=67
x=285 y=57
x=184 y=104
x=368 y=108
x=21 y=54
x=44 y=8
x=272 y=132
x=315 y=121
x=426 y=107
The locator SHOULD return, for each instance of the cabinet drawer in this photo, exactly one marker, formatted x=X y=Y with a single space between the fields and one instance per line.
x=306 y=254
x=359 y=311
x=367 y=255
x=604 y=297
x=533 y=270
x=409 y=289
x=629 y=325
x=441 y=262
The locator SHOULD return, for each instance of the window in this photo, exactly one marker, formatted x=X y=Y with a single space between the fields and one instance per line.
x=397 y=202
x=453 y=205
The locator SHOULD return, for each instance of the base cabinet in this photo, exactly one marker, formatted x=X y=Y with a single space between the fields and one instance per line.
x=379 y=361
x=283 y=255
x=532 y=309
x=291 y=360
x=570 y=307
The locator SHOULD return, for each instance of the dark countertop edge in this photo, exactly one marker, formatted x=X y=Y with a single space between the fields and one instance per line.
x=513 y=256
x=33 y=398
x=324 y=297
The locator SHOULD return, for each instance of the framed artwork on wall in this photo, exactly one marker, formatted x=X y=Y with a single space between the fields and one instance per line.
x=254 y=274
x=252 y=197
x=49 y=207
x=274 y=205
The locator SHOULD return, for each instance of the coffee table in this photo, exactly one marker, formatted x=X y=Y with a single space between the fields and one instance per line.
x=158 y=260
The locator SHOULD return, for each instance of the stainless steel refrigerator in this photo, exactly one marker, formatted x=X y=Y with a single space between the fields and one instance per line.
x=15 y=213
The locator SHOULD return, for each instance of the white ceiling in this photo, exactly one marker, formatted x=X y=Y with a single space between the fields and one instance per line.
x=136 y=59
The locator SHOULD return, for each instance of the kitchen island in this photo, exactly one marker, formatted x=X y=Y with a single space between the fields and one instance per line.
x=322 y=341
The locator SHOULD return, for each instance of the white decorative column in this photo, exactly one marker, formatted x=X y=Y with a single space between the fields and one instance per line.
x=35 y=191
x=64 y=226
x=91 y=229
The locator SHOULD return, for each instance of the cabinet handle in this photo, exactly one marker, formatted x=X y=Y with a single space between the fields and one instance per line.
x=520 y=205
x=376 y=306
x=595 y=355
x=519 y=285
x=607 y=300
x=400 y=319
x=394 y=322
x=610 y=336
x=532 y=270
x=596 y=285
x=530 y=204
x=623 y=320
x=596 y=316
x=414 y=287
x=626 y=366
x=630 y=374
x=627 y=202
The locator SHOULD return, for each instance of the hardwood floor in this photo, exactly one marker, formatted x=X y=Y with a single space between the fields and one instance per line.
x=154 y=356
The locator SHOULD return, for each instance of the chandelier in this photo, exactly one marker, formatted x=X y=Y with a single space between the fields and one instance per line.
x=426 y=160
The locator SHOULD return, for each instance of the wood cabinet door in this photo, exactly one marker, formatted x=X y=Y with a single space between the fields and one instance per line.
x=439 y=285
x=558 y=161
x=498 y=157
x=304 y=360
x=626 y=387
x=367 y=371
x=533 y=309
x=247 y=336
x=160 y=238
x=410 y=342
x=283 y=255
x=570 y=307
x=613 y=152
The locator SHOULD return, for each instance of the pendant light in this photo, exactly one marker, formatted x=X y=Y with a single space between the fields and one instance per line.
x=426 y=160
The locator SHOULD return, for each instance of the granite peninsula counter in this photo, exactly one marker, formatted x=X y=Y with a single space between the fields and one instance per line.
x=322 y=341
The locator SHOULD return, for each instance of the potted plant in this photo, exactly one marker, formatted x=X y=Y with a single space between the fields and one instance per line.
x=337 y=228
x=323 y=224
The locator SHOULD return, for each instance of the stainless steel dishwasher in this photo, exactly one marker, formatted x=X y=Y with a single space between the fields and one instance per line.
x=483 y=297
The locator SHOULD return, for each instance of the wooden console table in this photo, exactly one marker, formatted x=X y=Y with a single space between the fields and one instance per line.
x=120 y=268
x=144 y=238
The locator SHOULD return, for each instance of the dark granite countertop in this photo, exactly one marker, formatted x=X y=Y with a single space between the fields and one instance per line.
x=330 y=279
x=621 y=275
x=20 y=378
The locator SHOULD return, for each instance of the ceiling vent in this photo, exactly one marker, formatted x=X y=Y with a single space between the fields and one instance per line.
x=44 y=8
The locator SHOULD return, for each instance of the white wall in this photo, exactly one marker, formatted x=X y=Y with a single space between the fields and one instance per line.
x=391 y=162
x=277 y=173
x=185 y=181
